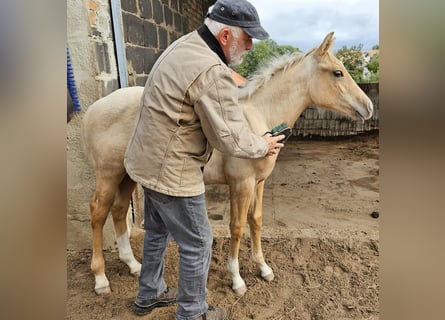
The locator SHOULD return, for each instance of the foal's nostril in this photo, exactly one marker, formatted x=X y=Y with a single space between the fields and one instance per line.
x=364 y=113
x=370 y=110
x=358 y=114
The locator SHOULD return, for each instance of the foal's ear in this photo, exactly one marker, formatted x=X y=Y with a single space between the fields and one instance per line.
x=325 y=45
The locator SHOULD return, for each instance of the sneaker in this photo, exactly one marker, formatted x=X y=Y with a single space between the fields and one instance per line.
x=215 y=313
x=167 y=298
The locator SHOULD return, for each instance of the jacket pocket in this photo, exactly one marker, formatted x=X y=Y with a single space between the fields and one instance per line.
x=205 y=156
x=192 y=169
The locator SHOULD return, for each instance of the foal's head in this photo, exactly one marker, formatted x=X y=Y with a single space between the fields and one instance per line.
x=332 y=87
x=321 y=78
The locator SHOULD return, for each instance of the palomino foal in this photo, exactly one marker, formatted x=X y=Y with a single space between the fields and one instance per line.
x=279 y=93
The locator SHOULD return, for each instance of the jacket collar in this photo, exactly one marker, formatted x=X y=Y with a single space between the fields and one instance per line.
x=211 y=41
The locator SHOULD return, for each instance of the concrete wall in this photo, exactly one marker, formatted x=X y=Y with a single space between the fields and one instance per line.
x=90 y=40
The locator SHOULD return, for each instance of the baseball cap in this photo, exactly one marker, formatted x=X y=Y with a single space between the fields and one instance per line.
x=240 y=13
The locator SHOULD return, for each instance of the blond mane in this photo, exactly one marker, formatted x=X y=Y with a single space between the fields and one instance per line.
x=264 y=74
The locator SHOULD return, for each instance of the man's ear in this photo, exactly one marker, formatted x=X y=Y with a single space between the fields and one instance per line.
x=224 y=36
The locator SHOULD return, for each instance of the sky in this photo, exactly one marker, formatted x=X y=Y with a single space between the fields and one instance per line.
x=304 y=23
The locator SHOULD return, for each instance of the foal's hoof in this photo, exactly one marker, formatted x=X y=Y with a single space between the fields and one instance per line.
x=266 y=272
x=103 y=291
x=136 y=273
x=136 y=270
x=268 y=277
x=240 y=291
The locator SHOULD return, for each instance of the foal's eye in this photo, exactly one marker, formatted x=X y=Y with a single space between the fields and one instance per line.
x=337 y=73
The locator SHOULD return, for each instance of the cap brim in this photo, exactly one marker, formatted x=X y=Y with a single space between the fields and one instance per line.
x=257 y=32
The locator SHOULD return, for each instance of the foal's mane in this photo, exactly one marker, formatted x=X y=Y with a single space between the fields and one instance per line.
x=265 y=73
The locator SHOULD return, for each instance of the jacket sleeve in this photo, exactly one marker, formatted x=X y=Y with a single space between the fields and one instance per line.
x=222 y=119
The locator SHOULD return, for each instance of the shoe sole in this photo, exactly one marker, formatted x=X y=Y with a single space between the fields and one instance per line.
x=141 y=311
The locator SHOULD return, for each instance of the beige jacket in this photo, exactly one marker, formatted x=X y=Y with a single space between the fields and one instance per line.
x=189 y=106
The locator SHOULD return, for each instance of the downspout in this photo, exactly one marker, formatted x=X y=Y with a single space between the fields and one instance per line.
x=119 y=43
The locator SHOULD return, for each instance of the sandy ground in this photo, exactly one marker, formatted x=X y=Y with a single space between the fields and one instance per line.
x=320 y=237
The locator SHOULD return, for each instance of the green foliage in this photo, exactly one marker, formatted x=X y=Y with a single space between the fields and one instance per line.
x=373 y=64
x=353 y=60
x=262 y=52
x=358 y=65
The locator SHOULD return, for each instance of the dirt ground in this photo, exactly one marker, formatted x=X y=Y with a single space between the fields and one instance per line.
x=320 y=237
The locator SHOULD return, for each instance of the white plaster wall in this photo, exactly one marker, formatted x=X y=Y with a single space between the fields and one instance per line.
x=81 y=40
x=90 y=84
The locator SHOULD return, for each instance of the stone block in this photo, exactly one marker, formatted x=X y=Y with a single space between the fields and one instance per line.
x=136 y=58
x=110 y=86
x=146 y=9
x=150 y=58
x=158 y=12
x=102 y=57
x=174 y=5
x=133 y=29
x=163 y=38
x=177 y=20
x=141 y=80
x=150 y=35
x=168 y=15
x=129 y=6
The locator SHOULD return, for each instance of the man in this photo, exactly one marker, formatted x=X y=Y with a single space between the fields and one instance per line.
x=189 y=106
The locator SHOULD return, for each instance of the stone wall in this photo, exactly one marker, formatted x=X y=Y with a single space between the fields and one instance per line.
x=150 y=26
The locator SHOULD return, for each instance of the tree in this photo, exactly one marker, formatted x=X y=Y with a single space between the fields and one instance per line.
x=374 y=68
x=263 y=51
x=353 y=60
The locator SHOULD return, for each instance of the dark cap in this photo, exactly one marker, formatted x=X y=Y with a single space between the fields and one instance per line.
x=240 y=13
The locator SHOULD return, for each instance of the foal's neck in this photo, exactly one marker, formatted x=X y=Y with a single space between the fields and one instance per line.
x=281 y=99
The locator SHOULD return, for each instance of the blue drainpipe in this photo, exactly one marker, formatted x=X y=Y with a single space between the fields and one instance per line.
x=119 y=43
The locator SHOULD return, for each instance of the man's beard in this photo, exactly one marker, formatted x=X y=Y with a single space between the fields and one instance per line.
x=236 y=55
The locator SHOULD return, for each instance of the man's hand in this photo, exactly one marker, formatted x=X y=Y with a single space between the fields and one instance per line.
x=272 y=142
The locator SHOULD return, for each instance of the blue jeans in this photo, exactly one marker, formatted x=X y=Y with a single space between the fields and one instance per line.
x=184 y=219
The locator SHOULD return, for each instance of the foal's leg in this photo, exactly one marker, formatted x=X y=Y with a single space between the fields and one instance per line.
x=255 y=222
x=240 y=198
x=119 y=212
x=100 y=205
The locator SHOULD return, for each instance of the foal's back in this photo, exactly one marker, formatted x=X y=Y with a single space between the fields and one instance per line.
x=107 y=126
